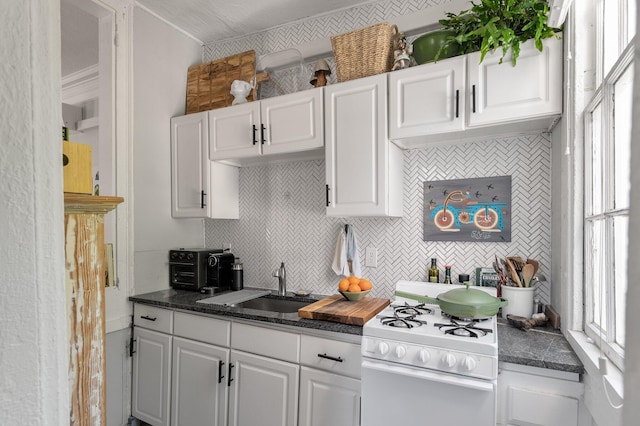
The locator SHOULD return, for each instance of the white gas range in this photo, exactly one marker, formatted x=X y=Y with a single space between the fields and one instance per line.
x=428 y=366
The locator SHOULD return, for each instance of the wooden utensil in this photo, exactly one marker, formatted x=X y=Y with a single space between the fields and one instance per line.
x=512 y=272
x=527 y=274
x=535 y=264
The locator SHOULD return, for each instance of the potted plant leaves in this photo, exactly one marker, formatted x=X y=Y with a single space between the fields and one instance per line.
x=497 y=24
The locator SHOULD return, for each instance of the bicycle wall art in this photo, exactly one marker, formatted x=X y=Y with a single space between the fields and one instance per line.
x=477 y=209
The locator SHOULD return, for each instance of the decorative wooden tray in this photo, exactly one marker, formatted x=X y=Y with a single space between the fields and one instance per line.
x=209 y=84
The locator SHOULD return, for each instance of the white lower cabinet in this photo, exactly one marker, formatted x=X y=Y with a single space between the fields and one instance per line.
x=263 y=391
x=264 y=376
x=151 y=385
x=151 y=376
x=328 y=399
x=529 y=398
x=197 y=370
x=329 y=382
x=199 y=391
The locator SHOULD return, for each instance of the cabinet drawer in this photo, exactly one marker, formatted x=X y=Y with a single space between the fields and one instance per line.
x=316 y=352
x=153 y=318
x=265 y=341
x=197 y=327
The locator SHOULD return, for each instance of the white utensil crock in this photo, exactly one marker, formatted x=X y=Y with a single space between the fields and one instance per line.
x=520 y=301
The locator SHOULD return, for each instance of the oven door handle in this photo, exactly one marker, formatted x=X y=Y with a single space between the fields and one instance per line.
x=446 y=378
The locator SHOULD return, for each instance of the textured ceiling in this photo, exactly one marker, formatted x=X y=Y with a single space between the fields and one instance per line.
x=215 y=20
x=205 y=20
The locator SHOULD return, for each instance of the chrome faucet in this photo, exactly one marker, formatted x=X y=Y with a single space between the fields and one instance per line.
x=281 y=274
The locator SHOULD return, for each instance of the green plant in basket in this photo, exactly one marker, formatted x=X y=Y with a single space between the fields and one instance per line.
x=493 y=24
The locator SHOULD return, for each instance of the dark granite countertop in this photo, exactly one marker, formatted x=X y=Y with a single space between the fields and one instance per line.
x=181 y=299
x=539 y=347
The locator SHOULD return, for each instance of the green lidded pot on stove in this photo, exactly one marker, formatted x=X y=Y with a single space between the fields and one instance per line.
x=462 y=302
x=427 y=45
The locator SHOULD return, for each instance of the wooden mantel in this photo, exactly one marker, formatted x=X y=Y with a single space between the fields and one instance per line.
x=85 y=282
x=81 y=203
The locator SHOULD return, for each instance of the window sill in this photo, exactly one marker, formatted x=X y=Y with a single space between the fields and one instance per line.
x=589 y=354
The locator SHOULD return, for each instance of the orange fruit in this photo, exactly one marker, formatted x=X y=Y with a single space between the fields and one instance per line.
x=353 y=279
x=354 y=288
x=343 y=285
x=365 y=284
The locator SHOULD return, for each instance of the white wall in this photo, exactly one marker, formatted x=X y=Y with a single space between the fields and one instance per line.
x=34 y=355
x=162 y=56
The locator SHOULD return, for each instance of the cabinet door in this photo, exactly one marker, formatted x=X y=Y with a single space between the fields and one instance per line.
x=359 y=158
x=427 y=99
x=200 y=187
x=293 y=123
x=199 y=390
x=328 y=399
x=234 y=132
x=151 y=380
x=264 y=391
x=190 y=165
x=531 y=399
x=502 y=92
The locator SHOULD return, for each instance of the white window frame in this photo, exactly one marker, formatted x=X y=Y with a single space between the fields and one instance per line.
x=603 y=97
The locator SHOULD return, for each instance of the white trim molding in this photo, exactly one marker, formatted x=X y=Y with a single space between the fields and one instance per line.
x=558 y=12
x=81 y=85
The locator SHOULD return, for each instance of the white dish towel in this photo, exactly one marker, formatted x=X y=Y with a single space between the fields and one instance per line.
x=346 y=247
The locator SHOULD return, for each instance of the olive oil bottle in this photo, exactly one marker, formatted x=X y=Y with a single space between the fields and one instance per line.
x=434 y=272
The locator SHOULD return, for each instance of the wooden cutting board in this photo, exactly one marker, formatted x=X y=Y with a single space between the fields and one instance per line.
x=337 y=309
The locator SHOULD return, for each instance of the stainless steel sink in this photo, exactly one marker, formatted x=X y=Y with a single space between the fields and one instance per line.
x=273 y=304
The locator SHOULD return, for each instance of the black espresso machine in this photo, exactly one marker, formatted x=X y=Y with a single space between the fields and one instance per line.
x=206 y=270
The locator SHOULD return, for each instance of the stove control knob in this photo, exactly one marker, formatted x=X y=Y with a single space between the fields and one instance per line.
x=469 y=363
x=383 y=348
x=401 y=351
x=424 y=356
x=449 y=360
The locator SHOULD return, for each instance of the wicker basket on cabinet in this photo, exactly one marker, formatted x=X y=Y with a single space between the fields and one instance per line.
x=363 y=52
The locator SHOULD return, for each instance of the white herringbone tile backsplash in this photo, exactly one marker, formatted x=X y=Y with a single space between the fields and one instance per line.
x=282 y=218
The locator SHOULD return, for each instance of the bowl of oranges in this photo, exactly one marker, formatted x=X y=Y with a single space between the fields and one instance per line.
x=354 y=288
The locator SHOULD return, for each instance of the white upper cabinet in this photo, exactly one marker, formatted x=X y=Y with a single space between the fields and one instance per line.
x=363 y=169
x=460 y=98
x=428 y=99
x=293 y=122
x=235 y=131
x=502 y=92
x=199 y=186
x=284 y=124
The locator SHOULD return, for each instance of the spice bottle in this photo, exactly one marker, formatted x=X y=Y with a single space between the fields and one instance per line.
x=434 y=272
x=447 y=274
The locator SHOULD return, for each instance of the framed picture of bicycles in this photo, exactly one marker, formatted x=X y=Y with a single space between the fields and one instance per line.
x=477 y=209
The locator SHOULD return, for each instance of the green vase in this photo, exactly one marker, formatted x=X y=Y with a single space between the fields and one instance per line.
x=427 y=45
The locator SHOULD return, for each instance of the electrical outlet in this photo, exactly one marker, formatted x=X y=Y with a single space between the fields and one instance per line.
x=371 y=257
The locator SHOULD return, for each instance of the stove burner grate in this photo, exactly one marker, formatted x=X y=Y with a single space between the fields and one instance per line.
x=401 y=322
x=412 y=310
x=468 y=329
